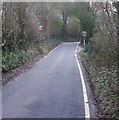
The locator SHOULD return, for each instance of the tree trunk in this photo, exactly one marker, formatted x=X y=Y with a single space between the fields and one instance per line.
x=64 y=27
x=118 y=26
x=117 y=42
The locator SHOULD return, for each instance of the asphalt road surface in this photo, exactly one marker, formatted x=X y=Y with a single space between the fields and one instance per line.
x=51 y=89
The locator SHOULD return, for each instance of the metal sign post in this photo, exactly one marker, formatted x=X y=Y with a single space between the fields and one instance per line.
x=84 y=33
x=84 y=41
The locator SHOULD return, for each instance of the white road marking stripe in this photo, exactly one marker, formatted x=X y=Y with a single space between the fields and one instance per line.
x=47 y=54
x=37 y=62
x=86 y=103
x=50 y=52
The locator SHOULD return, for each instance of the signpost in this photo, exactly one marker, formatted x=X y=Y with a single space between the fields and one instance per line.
x=84 y=33
x=40 y=27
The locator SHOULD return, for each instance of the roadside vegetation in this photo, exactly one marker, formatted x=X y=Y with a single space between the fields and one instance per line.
x=62 y=22
x=23 y=41
x=100 y=60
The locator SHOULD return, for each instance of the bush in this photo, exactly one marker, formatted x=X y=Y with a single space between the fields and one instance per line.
x=13 y=59
x=105 y=82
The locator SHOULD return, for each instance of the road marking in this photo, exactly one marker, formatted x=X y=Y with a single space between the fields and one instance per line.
x=46 y=55
x=86 y=102
x=36 y=63
x=49 y=53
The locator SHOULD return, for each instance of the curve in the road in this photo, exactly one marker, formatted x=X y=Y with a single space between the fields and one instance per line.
x=51 y=89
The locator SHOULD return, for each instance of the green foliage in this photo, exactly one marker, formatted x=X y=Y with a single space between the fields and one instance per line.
x=100 y=58
x=87 y=19
x=107 y=90
x=16 y=58
x=83 y=54
x=23 y=40
x=73 y=28
x=105 y=82
x=53 y=42
x=101 y=50
x=55 y=23
x=13 y=59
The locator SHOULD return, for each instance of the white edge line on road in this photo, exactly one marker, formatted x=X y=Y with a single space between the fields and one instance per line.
x=16 y=78
x=86 y=103
x=48 y=53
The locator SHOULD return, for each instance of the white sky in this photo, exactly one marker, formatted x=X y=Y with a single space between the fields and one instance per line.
x=57 y=0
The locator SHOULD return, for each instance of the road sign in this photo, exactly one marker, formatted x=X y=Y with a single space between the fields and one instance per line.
x=40 y=27
x=84 y=33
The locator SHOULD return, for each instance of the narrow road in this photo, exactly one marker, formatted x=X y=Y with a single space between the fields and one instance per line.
x=51 y=89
